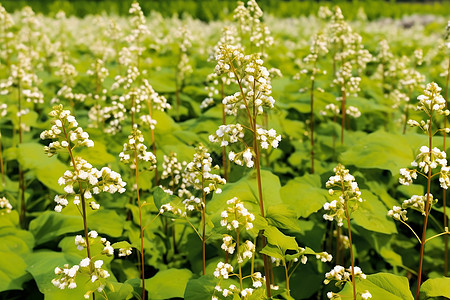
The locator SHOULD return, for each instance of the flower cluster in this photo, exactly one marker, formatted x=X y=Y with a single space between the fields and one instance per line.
x=86 y=179
x=172 y=170
x=89 y=181
x=5 y=206
x=62 y=121
x=268 y=138
x=397 y=213
x=135 y=150
x=342 y=275
x=199 y=174
x=432 y=100
x=350 y=195
x=67 y=275
x=222 y=270
x=227 y=134
x=236 y=216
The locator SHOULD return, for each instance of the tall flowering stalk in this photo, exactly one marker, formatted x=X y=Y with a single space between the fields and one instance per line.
x=83 y=181
x=135 y=152
x=237 y=220
x=199 y=176
x=254 y=94
x=339 y=210
x=444 y=194
x=318 y=47
x=429 y=158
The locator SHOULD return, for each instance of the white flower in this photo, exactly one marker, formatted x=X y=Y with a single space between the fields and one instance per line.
x=85 y=262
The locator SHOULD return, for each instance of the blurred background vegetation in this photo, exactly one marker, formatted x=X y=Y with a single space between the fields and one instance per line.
x=208 y=10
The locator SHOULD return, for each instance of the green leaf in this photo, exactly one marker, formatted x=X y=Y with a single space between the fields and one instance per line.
x=15 y=247
x=119 y=291
x=12 y=271
x=273 y=251
x=98 y=155
x=304 y=194
x=383 y=150
x=41 y=265
x=107 y=222
x=246 y=190
x=168 y=284
x=47 y=169
x=200 y=288
x=279 y=239
x=382 y=286
x=50 y=225
x=122 y=244
x=372 y=215
x=283 y=216
x=435 y=287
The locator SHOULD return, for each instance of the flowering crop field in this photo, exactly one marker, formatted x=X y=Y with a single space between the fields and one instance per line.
x=146 y=157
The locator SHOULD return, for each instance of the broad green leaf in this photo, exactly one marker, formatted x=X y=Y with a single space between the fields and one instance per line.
x=372 y=215
x=200 y=288
x=41 y=265
x=119 y=291
x=304 y=194
x=435 y=287
x=122 y=244
x=279 y=239
x=16 y=245
x=382 y=286
x=50 y=225
x=383 y=150
x=246 y=190
x=47 y=169
x=283 y=216
x=106 y=221
x=12 y=271
x=168 y=284
x=98 y=155
x=272 y=251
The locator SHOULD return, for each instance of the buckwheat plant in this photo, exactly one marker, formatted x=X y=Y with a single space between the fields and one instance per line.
x=349 y=55
x=446 y=73
x=183 y=68
x=22 y=82
x=83 y=181
x=135 y=152
x=318 y=48
x=3 y=112
x=89 y=269
x=199 y=176
x=340 y=209
x=98 y=113
x=427 y=161
x=237 y=220
x=254 y=94
x=252 y=28
x=154 y=102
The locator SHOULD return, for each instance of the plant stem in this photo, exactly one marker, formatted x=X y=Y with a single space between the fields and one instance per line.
x=136 y=161
x=224 y=152
x=312 y=123
x=444 y=196
x=343 y=113
x=351 y=250
x=261 y=203
x=288 y=293
x=203 y=226
x=427 y=212
x=23 y=207
x=239 y=263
